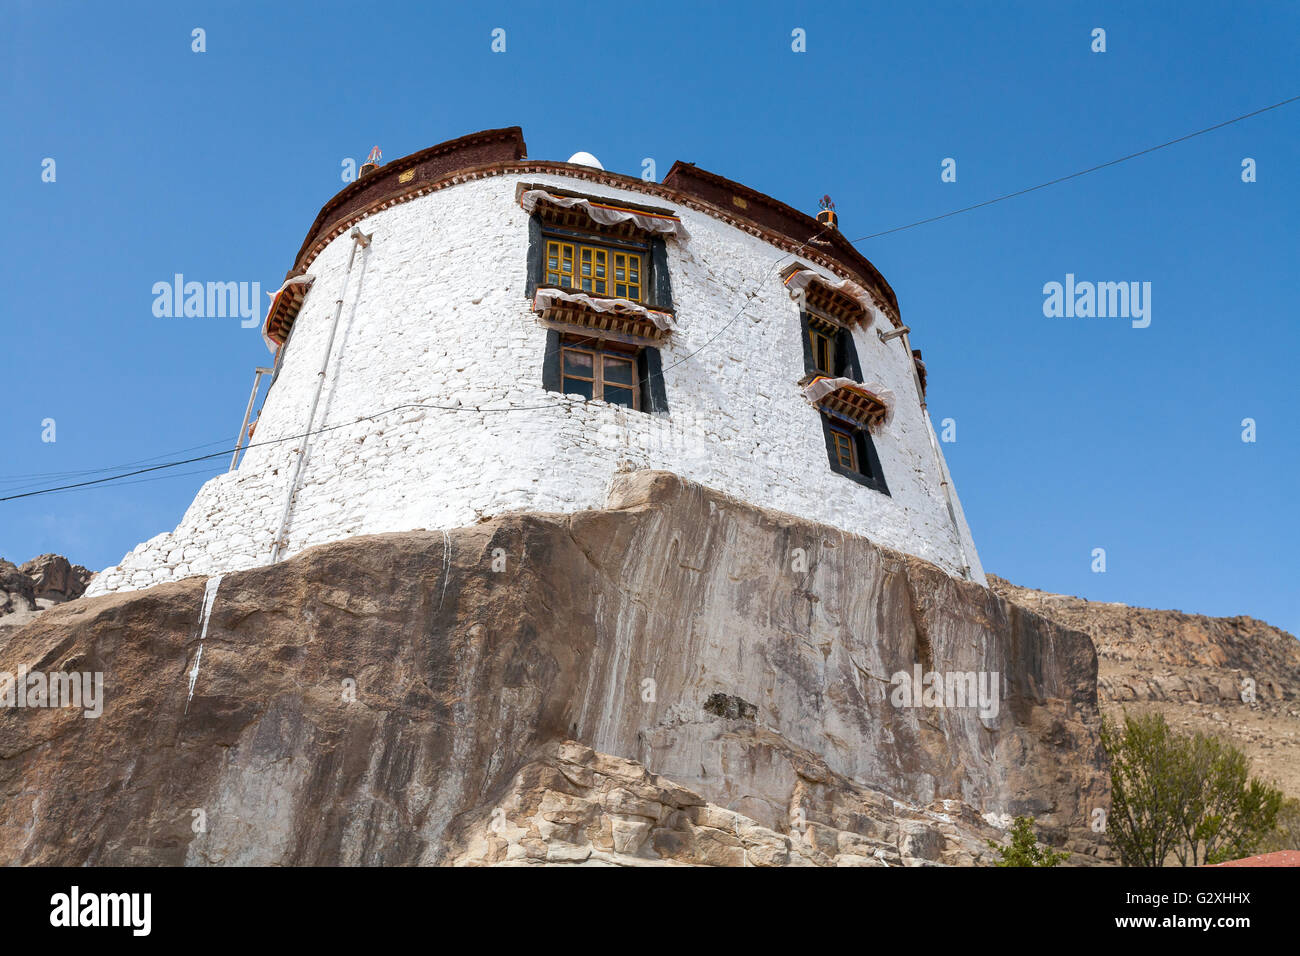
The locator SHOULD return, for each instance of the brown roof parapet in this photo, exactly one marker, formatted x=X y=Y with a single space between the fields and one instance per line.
x=411 y=172
x=496 y=152
x=776 y=216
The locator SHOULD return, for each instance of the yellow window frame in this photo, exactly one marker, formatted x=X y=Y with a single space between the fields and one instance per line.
x=586 y=267
x=593 y=269
x=819 y=338
x=844 y=449
x=560 y=263
x=627 y=275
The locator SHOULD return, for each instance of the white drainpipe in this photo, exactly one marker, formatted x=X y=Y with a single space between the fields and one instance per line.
x=934 y=444
x=278 y=545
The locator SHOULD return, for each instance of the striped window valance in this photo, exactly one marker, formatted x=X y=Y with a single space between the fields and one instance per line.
x=840 y=299
x=567 y=210
x=858 y=404
x=602 y=313
x=286 y=302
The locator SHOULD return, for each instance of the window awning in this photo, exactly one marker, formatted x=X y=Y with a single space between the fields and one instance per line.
x=605 y=213
x=602 y=313
x=286 y=301
x=841 y=299
x=861 y=405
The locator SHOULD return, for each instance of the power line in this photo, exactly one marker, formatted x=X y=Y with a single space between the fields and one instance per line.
x=276 y=441
x=1082 y=172
x=137 y=481
x=27 y=479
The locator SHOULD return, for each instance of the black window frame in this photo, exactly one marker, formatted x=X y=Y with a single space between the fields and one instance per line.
x=868 y=472
x=657 y=293
x=652 y=397
x=656 y=283
x=845 y=351
x=599 y=352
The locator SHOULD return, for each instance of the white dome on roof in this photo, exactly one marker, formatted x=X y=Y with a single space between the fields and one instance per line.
x=584 y=158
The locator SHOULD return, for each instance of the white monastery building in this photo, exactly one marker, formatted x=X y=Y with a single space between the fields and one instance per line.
x=467 y=332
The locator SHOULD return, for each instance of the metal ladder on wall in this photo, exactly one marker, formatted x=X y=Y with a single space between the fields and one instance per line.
x=248 y=412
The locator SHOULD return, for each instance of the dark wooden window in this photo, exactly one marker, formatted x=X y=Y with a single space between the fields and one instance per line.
x=600 y=371
x=852 y=453
x=627 y=375
x=626 y=267
x=845 y=453
x=628 y=372
x=821 y=338
x=828 y=348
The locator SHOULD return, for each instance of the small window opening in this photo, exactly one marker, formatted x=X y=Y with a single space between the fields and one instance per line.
x=852 y=453
x=823 y=337
x=845 y=451
x=602 y=371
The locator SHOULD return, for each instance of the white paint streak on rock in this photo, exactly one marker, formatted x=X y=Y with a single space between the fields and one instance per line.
x=209 y=599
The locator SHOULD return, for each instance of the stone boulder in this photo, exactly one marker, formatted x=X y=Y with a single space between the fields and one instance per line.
x=28 y=589
x=55 y=578
x=17 y=590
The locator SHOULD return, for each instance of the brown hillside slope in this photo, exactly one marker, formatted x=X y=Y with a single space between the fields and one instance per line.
x=1193 y=669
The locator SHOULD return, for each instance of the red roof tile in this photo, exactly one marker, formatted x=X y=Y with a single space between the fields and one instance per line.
x=1279 y=858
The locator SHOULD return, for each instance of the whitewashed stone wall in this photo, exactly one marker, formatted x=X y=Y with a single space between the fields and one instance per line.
x=435 y=314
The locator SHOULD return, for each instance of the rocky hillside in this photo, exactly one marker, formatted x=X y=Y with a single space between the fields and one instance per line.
x=677 y=678
x=27 y=589
x=1198 y=671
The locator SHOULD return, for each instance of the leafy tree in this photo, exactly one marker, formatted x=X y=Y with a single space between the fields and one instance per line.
x=1024 y=849
x=1191 y=797
x=1232 y=813
x=1146 y=789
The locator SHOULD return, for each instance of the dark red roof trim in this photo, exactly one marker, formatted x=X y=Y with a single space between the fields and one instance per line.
x=428 y=165
x=500 y=151
x=779 y=218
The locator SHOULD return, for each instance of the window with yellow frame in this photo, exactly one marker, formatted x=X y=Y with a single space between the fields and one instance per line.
x=595 y=269
x=821 y=337
x=604 y=372
x=845 y=450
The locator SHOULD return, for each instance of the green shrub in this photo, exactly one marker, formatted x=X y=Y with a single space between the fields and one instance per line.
x=1024 y=849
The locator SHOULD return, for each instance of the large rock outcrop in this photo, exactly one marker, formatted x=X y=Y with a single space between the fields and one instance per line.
x=574 y=805
x=30 y=588
x=667 y=679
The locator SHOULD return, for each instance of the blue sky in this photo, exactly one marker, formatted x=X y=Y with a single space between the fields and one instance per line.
x=1072 y=434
